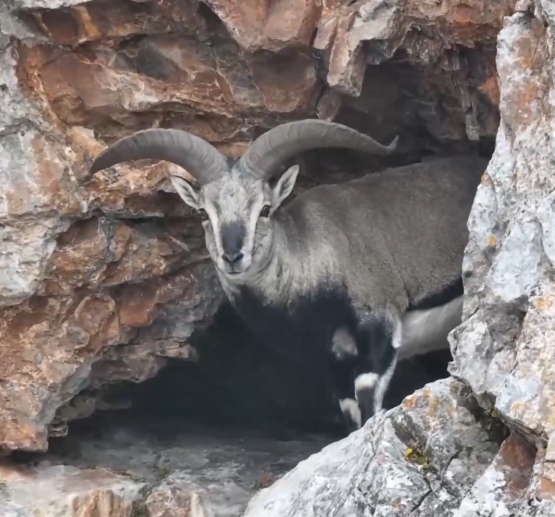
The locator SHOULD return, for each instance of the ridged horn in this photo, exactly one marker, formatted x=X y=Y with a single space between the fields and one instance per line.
x=194 y=154
x=273 y=148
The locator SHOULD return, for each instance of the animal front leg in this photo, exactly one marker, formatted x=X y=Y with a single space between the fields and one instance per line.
x=378 y=341
x=344 y=357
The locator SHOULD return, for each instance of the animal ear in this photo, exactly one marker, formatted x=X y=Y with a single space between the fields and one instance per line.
x=185 y=191
x=285 y=185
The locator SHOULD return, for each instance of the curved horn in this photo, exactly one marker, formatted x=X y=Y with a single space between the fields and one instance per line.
x=192 y=153
x=277 y=145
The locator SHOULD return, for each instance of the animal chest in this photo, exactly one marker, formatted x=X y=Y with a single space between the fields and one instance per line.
x=301 y=330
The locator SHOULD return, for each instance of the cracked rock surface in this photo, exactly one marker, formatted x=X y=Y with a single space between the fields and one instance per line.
x=420 y=458
x=103 y=280
x=66 y=491
x=503 y=349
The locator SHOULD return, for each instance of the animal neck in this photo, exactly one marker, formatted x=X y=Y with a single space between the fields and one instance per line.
x=275 y=279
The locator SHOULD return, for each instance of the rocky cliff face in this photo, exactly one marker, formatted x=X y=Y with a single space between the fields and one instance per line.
x=101 y=281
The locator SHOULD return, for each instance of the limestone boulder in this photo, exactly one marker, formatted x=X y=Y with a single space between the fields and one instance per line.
x=438 y=453
x=503 y=350
x=420 y=458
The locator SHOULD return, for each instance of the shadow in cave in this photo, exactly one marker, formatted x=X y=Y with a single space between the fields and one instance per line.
x=240 y=415
x=238 y=383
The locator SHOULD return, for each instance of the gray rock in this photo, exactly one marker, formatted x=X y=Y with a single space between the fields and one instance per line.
x=503 y=348
x=417 y=459
x=181 y=466
x=62 y=491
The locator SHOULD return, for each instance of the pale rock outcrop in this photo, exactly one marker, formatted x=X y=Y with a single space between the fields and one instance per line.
x=418 y=459
x=503 y=349
x=66 y=492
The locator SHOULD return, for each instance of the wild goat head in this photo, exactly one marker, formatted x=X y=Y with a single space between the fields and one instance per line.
x=236 y=200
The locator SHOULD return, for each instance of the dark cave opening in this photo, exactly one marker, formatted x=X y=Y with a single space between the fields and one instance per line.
x=238 y=384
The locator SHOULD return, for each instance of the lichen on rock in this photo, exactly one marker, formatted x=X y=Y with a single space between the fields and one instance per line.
x=502 y=349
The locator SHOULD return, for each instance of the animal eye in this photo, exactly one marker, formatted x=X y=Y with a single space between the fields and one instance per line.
x=265 y=212
x=203 y=215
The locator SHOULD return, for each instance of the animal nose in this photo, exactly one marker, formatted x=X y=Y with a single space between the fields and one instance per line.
x=232 y=258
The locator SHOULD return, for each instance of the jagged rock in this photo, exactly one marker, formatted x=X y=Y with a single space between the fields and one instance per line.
x=417 y=459
x=503 y=348
x=66 y=492
x=101 y=280
x=352 y=40
x=501 y=490
x=269 y=25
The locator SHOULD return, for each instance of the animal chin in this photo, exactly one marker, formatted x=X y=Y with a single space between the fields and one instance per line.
x=234 y=272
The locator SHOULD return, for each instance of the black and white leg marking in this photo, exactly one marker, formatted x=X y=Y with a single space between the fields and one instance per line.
x=344 y=362
x=378 y=347
x=363 y=364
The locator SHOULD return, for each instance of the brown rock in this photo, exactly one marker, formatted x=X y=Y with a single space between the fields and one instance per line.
x=89 y=21
x=504 y=484
x=66 y=492
x=269 y=25
x=177 y=500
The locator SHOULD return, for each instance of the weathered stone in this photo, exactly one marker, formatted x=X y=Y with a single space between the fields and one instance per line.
x=180 y=467
x=372 y=32
x=418 y=459
x=268 y=25
x=503 y=348
x=502 y=487
x=66 y=492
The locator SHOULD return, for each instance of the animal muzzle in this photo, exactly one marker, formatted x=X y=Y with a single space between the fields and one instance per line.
x=232 y=258
x=233 y=240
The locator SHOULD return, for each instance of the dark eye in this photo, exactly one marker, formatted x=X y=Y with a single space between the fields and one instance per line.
x=203 y=215
x=265 y=212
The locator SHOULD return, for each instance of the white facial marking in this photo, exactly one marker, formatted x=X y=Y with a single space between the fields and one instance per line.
x=350 y=409
x=240 y=200
x=234 y=204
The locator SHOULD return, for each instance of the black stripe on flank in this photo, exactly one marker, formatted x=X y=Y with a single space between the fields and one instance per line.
x=449 y=293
